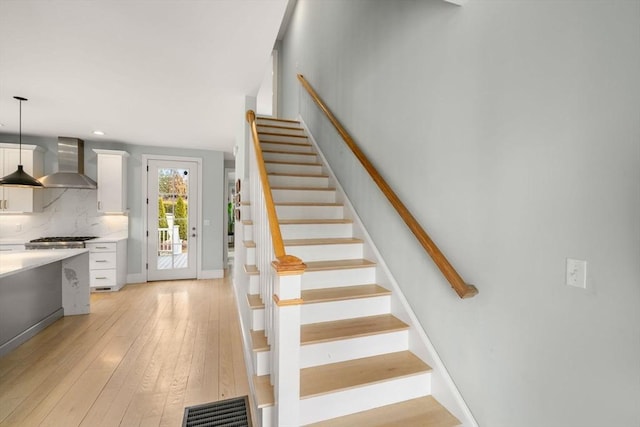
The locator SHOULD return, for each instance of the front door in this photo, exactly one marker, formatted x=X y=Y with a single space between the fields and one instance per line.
x=171 y=219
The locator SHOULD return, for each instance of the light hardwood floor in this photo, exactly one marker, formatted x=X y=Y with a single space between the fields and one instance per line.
x=138 y=359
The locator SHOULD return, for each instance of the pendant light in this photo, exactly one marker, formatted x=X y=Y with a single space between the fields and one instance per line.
x=20 y=178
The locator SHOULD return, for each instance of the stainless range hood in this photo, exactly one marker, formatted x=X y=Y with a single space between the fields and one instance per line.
x=70 y=167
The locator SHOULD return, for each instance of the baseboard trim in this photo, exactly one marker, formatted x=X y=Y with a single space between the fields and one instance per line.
x=136 y=278
x=24 y=336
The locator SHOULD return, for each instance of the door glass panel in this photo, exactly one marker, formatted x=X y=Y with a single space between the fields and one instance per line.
x=173 y=220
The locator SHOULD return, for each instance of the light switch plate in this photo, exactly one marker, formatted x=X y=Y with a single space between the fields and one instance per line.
x=576 y=273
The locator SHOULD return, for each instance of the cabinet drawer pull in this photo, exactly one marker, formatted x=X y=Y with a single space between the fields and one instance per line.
x=101 y=260
x=101 y=278
x=101 y=247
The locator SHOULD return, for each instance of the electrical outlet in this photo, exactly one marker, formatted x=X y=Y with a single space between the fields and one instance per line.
x=18 y=227
x=576 y=273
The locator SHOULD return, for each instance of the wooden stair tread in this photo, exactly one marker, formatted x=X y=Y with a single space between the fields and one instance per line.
x=251 y=269
x=306 y=175
x=314 y=221
x=338 y=264
x=281 y=134
x=313 y=296
x=247 y=222
x=283 y=162
x=307 y=204
x=346 y=375
x=420 y=412
x=282 y=127
x=297 y=144
x=255 y=302
x=305 y=188
x=264 y=391
x=249 y=243
x=350 y=328
x=303 y=153
x=324 y=241
x=276 y=119
x=259 y=341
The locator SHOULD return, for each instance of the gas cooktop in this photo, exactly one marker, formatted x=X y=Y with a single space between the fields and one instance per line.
x=63 y=239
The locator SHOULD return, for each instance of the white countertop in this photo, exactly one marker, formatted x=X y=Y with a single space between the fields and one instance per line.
x=17 y=261
x=108 y=239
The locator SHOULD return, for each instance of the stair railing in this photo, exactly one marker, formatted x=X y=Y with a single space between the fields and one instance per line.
x=463 y=289
x=280 y=282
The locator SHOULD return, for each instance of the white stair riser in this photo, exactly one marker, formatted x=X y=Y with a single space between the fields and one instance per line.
x=298 y=181
x=339 y=277
x=262 y=362
x=290 y=157
x=268 y=129
x=332 y=405
x=257 y=319
x=266 y=415
x=309 y=212
x=326 y=252
x=355 y=348
x=347 y=309
x=317 y=196
x=245 y=212
x=294 y=168
x=283 y=138
x=315 y=231
x=247 y=231
x=296 y=148
x=251 y=256
x=254 y=284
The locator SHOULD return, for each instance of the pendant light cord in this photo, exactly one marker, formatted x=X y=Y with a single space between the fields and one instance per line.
x=20 y=131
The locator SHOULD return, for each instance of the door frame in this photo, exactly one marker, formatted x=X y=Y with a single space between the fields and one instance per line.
x=144 y=202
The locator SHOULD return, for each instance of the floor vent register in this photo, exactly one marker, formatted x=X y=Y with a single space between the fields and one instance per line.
x=229 y=413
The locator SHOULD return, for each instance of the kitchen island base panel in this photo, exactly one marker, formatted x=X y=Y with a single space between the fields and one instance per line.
x=14 y=342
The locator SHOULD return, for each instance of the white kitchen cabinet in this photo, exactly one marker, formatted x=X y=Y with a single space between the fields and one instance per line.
x=16 y=199
x=112 y=181
x=107 y=264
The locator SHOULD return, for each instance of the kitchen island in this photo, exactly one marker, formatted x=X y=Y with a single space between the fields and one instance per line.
x=37 y=288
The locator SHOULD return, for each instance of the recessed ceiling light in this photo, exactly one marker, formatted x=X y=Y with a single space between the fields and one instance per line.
x=1 y=125
x=98 y=132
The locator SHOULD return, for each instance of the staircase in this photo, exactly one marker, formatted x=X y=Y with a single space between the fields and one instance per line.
x=355 y=363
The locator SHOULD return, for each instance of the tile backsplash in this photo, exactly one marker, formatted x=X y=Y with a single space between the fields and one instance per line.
x=66 y=212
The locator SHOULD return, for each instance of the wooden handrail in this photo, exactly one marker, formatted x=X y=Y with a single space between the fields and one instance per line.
x=285 y=263
x=463 y=289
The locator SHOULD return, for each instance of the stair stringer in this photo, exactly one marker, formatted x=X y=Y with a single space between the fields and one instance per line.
x=443 y=387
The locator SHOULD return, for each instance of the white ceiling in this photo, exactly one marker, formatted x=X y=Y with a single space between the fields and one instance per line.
x=163 y=72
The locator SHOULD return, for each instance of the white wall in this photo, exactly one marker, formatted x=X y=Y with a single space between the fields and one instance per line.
x=511 y=129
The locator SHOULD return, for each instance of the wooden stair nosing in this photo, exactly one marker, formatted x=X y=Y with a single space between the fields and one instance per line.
x=264 y=391
x=251 y=269
x=259 y=341
x=281 y=134
x=249 y=243
x=341 y=293
x=339 y=264
x=337 y=330
x=254 y=301
x=308 y=204
x=350 y=374
x=323 y=241
x=247 y=222
x=303 y=153
x=419 y=412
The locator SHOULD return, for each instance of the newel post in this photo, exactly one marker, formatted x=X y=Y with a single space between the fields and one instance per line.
x=286 y=351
